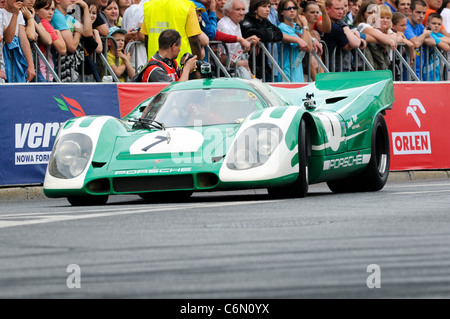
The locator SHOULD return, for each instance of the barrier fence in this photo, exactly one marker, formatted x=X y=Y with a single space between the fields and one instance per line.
x=432 y=61
x=418 y=122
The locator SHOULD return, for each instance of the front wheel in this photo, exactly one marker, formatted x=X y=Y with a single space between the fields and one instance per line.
x=88 y=200
x=300 y=186
x=375 y=175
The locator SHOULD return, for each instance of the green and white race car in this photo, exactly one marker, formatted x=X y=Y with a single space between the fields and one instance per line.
x=228 y=134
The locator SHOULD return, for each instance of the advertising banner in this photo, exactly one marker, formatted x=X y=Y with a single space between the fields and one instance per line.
x=419 y=126
x=32 y=115
x=132 y=94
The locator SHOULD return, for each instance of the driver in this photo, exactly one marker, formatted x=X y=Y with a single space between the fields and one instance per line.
x=198 y=109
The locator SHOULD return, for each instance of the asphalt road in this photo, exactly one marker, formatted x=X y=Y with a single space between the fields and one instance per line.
x=387 y=244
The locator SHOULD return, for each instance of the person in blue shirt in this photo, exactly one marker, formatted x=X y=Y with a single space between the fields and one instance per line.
x=434 y=23
x=391 y=4
x=209 y=17
x=273 y=18
x=295 y=25
x=416 y=33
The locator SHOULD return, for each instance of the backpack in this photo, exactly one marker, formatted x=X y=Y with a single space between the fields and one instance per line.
x=138 y=76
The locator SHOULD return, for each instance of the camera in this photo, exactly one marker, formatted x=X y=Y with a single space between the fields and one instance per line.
x=204 y=67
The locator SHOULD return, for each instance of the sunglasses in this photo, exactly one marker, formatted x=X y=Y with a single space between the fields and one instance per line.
x=290 y=8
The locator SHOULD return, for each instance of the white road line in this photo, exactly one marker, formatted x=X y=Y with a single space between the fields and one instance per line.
x=422 y=192
x=416 y=185
x=40 y=218
x=90 y=209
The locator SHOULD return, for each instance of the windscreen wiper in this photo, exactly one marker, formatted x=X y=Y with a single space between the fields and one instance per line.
x=147 y=123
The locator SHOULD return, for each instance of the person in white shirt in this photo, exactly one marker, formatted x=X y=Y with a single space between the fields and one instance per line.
x=132 y=20
x=234 y=12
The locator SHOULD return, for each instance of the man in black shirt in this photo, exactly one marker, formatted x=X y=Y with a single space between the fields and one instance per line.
x=341 y=38
x=256 y=23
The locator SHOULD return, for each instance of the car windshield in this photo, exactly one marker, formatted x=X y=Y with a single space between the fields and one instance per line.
x=202 y=107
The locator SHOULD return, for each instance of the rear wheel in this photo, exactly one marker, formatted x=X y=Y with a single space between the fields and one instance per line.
x=300 y=187
x=375 y=175
x=88 y=200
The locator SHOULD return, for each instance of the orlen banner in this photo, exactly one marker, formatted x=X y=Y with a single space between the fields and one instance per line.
x=419 y=126
x=31 y=117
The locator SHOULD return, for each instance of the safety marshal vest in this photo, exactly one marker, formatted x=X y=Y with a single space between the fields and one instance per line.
x=160 y=15
x=173 y=72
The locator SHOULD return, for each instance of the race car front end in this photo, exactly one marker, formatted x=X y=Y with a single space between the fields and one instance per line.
x=74 y=152
x=265 y=151
x=102 y=156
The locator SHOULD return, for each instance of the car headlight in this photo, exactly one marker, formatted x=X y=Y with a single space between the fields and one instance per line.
x=70 y=156
x=243 y=159
x=254 y=146
x=267 y=141
x=68 y=152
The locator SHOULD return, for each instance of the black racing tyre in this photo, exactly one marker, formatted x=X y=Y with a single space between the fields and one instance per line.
x=88 y=200
x=375 y=175
x=300 y=187
x=377 y=172
x=175 y=196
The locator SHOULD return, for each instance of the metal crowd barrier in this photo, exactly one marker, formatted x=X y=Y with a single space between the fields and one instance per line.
x=400 y=66
x=434 y=54
x=37 y=53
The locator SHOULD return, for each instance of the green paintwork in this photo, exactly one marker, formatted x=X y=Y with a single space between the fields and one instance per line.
x=278 y=112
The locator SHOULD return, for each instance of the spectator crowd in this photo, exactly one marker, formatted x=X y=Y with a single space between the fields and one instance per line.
x=291 y=39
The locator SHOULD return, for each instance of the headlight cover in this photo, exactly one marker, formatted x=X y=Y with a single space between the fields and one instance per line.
x=70 y=156
x=254 y=146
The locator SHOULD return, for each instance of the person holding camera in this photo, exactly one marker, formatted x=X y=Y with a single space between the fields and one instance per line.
x=163 y=66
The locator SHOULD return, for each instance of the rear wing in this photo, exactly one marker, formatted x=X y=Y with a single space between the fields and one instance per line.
x=330 y=88
x=348 y=80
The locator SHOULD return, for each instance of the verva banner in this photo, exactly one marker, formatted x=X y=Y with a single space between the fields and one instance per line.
x=32 y=115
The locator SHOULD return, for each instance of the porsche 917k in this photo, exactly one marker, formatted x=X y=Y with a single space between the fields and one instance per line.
x=228 y=134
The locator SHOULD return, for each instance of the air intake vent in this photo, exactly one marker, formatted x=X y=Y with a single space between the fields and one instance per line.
x=332 y=100
x=152 y=183
x=98 y=164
